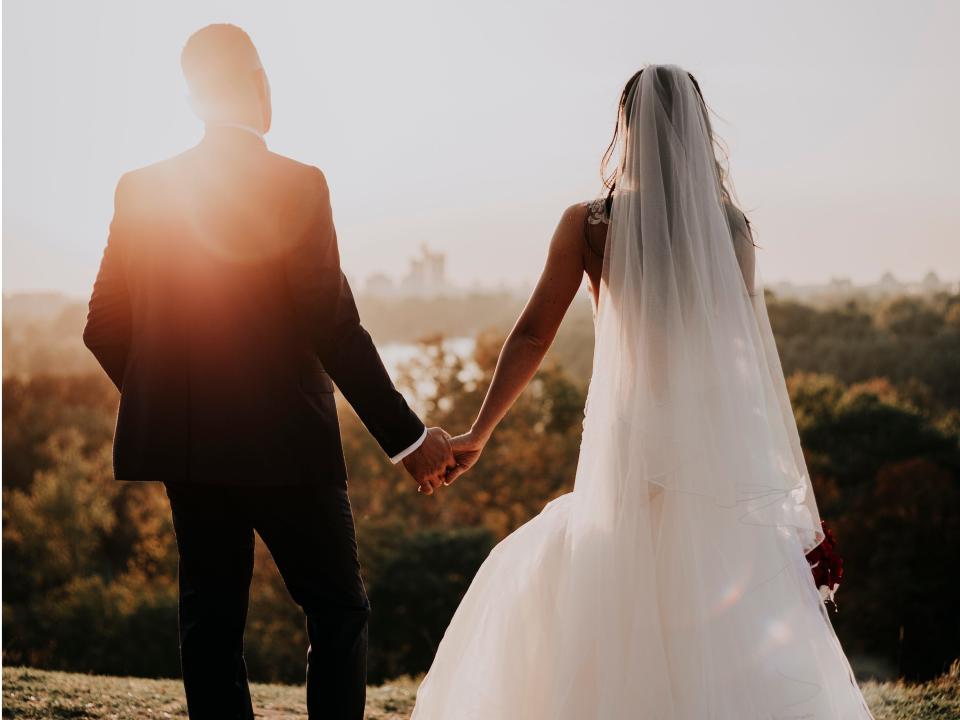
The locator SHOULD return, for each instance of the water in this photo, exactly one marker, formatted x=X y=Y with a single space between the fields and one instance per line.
x=397 y=354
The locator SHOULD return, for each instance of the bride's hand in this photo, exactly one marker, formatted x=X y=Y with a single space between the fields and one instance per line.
x=466 y=451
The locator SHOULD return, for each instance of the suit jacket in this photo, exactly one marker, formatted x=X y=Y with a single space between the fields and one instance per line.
x=221 y=313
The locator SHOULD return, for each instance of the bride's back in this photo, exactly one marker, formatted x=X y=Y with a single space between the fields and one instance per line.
x=596 y=223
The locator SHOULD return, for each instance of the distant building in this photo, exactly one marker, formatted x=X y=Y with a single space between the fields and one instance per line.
x=380 y=285
x=427 y=275
x=887 y=285
x=932 y=282
x=840 y=286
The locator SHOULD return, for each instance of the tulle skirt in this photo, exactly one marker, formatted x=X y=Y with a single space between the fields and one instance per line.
x=675 y=609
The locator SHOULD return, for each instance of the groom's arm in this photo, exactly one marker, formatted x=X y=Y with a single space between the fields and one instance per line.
x=354 y=363
x=107 y=332
x=328 y=313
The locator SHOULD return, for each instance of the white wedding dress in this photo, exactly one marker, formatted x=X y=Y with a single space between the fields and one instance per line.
x=671 y=584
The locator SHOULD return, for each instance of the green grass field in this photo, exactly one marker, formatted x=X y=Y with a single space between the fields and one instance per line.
x=29 y=693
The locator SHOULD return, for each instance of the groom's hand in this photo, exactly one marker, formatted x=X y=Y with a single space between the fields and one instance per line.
x=429 y=463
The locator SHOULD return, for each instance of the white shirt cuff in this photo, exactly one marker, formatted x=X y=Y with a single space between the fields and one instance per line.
x=401 y=455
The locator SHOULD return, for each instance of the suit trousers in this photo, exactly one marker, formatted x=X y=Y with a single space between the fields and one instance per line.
x=309 y=531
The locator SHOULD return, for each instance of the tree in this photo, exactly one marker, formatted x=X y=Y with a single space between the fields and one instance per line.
x=887 y=479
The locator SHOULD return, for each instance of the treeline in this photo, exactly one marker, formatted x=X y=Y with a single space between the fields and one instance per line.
x=89 y=565
x=46 y=340
x=911 y=340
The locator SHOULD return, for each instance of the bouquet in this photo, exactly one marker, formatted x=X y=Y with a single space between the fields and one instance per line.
x=827 y=567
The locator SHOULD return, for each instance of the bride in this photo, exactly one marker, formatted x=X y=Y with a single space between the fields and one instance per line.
x=671 y=584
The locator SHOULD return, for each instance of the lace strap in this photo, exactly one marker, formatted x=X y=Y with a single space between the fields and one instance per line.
x=597 y=212
x=596 y=215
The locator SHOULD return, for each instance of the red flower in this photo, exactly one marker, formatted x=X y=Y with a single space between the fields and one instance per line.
x=826 y=566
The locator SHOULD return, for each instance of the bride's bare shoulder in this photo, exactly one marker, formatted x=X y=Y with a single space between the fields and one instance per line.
x=575 y=214
x=584 y=215
x=566 y=244
x=577 y=227
x=570 y=226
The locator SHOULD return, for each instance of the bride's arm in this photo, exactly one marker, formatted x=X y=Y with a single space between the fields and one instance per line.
x=531 y=336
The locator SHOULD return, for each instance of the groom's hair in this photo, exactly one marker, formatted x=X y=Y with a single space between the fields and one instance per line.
x=218 y=61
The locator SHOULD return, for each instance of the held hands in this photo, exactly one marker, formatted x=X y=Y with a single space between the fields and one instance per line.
x=429 y=463
x=466 y=451
x=441 y=459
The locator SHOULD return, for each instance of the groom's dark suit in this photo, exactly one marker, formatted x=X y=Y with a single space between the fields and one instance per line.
x=221 y=313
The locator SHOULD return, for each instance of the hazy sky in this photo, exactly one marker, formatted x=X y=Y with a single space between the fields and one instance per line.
x=470 y=126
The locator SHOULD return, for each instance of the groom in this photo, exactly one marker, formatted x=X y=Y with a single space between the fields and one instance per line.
x=222 y=315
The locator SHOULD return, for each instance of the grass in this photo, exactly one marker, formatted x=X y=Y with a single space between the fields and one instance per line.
x=935 y=700
x=34 y=694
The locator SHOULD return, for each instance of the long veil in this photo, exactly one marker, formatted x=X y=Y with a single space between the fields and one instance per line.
x=691 y=492
x=671 y=584
x=687 y=386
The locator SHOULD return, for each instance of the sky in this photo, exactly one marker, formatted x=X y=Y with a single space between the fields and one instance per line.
x=471 y=126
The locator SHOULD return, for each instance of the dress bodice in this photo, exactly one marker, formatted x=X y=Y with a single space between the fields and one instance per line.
x=596 y=223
